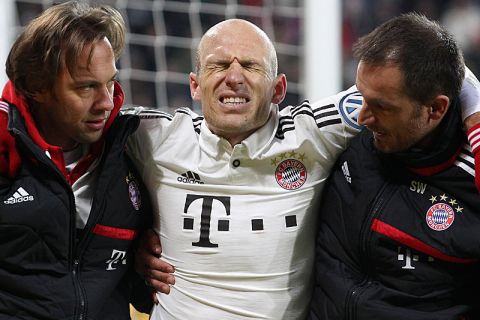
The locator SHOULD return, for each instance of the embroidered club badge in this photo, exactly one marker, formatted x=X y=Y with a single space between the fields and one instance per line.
x=291 y=174
x=440 y=216
x=134 y=192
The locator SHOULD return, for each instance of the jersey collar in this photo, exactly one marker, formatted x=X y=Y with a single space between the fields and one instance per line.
x=252 y=147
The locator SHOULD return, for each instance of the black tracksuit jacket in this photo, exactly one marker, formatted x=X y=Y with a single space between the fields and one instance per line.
x=48 y=270
x=399 y=234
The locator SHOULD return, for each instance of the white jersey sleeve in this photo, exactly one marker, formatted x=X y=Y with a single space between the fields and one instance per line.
x=146 y=140
x=470 y=94
x=328 y=124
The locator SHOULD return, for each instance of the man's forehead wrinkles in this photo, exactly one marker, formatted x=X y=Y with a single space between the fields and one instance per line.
x=230 y=58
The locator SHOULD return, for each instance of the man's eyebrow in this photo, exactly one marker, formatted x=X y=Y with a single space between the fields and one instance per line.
x=219 y=61
x=87 y=79
x=248 y=61
x=381 y=102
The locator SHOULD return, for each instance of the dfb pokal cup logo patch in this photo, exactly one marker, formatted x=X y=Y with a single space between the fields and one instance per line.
x=291 y=174
x=350 y=106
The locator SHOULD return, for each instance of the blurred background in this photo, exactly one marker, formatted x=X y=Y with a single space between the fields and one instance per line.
x=313 y=39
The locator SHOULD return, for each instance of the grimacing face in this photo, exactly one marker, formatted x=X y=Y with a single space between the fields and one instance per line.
x=236 y=84
x=396 y=121
x=78 y=108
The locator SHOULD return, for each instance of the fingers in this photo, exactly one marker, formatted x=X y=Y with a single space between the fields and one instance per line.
x=156 y=265
x=160 y=286
x=149 y=265
x=158 y=275
x=159 y=281
x=156 y=272
x=154 y=296
x=148 y=253
x=152 y=242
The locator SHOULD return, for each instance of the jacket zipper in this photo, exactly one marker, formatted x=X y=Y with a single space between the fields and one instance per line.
x=75 y=271
x=74 y=259
x=74 y=256
x=353 y=297
x=94 y=217
x=374 y=211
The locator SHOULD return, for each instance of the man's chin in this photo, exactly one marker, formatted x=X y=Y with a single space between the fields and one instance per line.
x=382 y=146
x=91 y=138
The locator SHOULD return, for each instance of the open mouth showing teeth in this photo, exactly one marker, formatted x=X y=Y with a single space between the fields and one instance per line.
x=234 y=100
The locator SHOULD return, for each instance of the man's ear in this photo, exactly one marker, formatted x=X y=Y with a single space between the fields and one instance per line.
x=439 y=107
x=194 y=87
x=279 y=89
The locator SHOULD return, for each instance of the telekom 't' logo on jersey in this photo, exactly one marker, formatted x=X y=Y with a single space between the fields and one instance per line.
x=205 y=217
x=118 y=256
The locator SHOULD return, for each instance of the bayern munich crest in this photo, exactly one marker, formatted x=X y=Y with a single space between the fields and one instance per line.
x=134 y=192
x=440 y=216
x=291 y=174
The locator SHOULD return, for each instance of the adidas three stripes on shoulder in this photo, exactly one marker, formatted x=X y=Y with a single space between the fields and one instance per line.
x=474 y=139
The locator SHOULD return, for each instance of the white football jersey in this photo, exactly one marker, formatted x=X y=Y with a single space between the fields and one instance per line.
x=238 y=223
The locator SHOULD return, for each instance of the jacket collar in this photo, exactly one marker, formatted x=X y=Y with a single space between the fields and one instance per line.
x=252 y=146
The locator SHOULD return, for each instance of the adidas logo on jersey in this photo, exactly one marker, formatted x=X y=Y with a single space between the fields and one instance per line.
x=190 y=177
x=346 y=172
x=19 y=196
